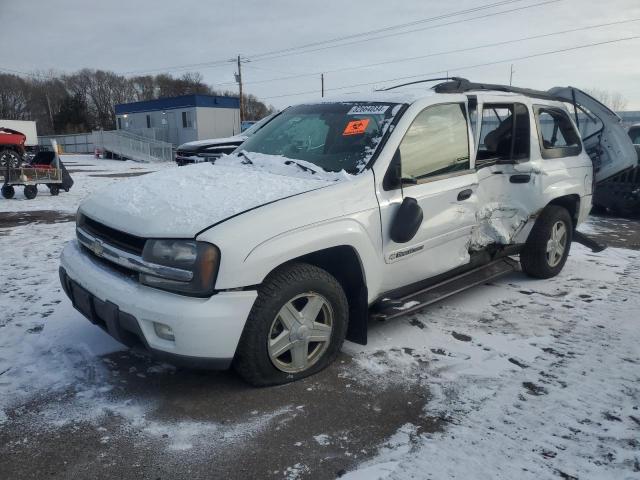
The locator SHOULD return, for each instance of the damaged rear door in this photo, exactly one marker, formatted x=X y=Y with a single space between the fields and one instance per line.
x=603 y=136
x=508 y=191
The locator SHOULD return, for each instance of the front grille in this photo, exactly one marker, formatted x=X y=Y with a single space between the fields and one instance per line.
x=127 y=272
x=122 y=240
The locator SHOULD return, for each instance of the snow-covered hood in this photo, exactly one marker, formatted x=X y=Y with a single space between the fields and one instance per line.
x=182 y=201
x=198 y=144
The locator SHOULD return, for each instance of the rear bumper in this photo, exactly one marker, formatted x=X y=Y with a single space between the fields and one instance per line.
x=206 y=330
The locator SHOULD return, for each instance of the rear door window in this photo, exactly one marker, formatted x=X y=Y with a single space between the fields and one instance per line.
x=504 y=133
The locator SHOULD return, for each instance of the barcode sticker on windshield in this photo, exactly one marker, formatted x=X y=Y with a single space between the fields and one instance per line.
x=368 y=110
x=356 y=127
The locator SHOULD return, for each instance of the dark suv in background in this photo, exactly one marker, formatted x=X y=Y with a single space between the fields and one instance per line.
x=208 y=150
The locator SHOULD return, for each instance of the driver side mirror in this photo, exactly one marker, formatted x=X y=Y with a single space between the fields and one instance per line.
x=407 y=221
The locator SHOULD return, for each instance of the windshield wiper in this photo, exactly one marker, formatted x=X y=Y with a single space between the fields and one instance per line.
x=299 y=165
x=247 y=160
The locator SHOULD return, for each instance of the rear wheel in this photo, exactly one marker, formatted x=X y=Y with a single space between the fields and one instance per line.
x=296 y=326
x=547 y=247
x=54 y=189
x=8 y=191
x=10 y=158
x=30 y=191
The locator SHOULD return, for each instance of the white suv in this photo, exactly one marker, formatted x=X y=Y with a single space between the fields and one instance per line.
x=332 y=212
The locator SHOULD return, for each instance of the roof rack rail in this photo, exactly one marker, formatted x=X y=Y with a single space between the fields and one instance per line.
x=462 y=85
x=426 y=80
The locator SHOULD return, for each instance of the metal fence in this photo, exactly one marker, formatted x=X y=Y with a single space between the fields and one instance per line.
x=132 y=146
x=72 y=143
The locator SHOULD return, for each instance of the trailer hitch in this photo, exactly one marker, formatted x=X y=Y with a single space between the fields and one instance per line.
x=588 y=242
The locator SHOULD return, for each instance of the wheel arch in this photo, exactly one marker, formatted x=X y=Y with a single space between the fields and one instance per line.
x=345 y=264
x=570 y=202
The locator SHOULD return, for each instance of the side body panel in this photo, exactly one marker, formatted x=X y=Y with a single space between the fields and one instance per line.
x=508 y=210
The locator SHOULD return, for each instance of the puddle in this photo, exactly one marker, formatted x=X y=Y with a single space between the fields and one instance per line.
x=16 y=219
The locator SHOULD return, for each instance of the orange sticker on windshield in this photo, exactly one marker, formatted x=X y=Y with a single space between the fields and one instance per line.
x=356 y=127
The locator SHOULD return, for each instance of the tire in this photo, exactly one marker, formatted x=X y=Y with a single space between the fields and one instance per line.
x=535 y=260
x=54 y=189
x=295 y=286
x=10 y=157
x=30 y=191
x=8 y=191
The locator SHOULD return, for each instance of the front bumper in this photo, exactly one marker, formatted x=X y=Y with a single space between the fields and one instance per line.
x=206 y=330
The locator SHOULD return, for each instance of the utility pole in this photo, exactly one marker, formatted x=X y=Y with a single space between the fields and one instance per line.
x=322 y=84
x=511 y=76
x=239 y=80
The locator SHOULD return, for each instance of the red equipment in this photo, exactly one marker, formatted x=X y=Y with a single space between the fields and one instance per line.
x=11 y=147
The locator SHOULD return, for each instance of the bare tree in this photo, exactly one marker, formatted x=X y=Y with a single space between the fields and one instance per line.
x=13 y=98
x=614 y=100
x=87 y=99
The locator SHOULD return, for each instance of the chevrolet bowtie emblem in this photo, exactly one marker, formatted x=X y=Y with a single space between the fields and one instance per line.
x=97 y=248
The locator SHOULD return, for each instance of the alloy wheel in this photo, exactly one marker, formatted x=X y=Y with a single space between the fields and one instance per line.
x=300 y=333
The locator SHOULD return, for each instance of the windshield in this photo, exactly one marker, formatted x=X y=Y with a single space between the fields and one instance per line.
x=256 y=126
x=333 y=136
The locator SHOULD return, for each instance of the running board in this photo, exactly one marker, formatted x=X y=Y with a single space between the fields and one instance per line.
x=389 y=308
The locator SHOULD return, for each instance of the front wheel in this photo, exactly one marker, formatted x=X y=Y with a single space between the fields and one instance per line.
x=296 y=326
x=547 y=248
x=10 y=158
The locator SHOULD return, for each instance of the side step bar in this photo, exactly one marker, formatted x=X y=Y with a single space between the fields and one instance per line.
x=588 y=242
x=387 y=309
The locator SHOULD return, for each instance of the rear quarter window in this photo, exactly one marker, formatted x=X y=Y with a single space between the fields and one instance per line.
x=557 y=136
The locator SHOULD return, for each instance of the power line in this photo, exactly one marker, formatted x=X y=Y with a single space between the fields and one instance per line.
x=446 y=52
x=290 y=51
x=389 y=28
x=430 y=27
x=467 y=67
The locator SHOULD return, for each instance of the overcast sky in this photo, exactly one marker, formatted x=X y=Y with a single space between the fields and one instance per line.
x=145 y=35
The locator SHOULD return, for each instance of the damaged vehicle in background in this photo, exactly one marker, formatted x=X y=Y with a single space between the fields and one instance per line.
x=207 y=150
x=371 y=205
x=619 y=193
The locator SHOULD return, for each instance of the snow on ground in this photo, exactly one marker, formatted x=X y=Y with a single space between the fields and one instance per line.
x=532 y=379
x=528 y=379
x=49 y=349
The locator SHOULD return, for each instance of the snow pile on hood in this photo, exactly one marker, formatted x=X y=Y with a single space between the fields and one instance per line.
x=180 y=202
x=281 y=165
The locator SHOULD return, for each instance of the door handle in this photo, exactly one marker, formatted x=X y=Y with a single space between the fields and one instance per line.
x=465 y=194
x=519 y=178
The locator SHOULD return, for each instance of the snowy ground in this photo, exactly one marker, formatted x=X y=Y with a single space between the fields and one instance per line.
x=516 y=379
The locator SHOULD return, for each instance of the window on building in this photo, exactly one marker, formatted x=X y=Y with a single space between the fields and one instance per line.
x=504 y=133
x=187 y=120
x=148 y=121
x=437 y=143
x=558 y=137
x=634 y=133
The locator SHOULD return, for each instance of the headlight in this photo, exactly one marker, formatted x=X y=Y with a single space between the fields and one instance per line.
x=200 y=258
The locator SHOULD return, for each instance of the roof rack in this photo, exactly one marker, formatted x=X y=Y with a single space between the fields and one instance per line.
x=462 y=85
x=426 y=80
